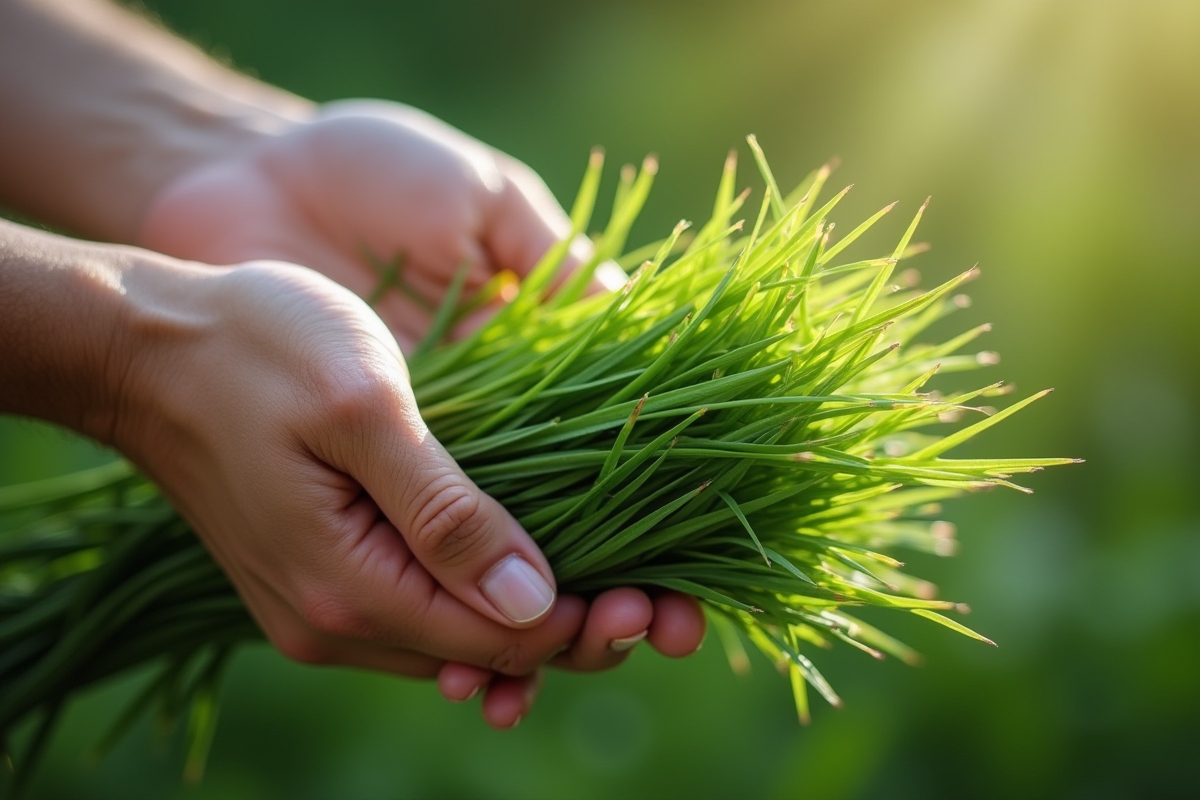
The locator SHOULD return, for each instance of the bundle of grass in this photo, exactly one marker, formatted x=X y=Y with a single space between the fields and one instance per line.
x=736 y=423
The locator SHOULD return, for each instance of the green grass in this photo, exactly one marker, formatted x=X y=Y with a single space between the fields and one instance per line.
x=744 y=421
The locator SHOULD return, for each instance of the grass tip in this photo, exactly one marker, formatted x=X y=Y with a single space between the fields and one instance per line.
x=628 y=173
x=925 y=205
x=731 y=159
x=638 y=408
x=961 y=300
x=650 y=164
x=681 y=226
x=909 y=277
x=962 y=608
x=890 y=206
x=596 y=156
x=987 y=358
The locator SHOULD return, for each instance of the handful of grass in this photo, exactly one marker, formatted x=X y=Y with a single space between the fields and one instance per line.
x=736 y=423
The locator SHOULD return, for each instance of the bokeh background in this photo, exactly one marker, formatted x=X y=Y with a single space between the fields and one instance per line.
x=1061 y=143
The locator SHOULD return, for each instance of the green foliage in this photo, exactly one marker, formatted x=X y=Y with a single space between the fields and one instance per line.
x=744 y=422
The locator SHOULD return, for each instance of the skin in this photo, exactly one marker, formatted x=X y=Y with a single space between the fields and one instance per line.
x=270 y=403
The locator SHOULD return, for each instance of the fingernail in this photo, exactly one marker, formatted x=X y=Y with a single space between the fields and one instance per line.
x=472 y=695
x=621 y=645
x=516 y=721
x=517 y=589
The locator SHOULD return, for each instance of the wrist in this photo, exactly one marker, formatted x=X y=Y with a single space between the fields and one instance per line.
x=193 y=125
x=82 y=326
x=113 y=109
x=166 y=308
x=207 y=119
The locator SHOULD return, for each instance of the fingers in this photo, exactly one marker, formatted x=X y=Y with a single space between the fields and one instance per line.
x=363 y=584
x=363 y=655
x=466 y=540
x=524 y=224
x=506 y=699
x=509 y=699
x=617 y=620
x=392 y=599
x=459 y=683
x=678 y=626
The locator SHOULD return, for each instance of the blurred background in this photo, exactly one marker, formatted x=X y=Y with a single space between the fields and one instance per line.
x=1061 y=143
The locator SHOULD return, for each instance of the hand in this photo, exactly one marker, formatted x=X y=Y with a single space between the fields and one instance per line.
x=273 y=409
x=387 y=179
x=127 y=129
x=363 y=181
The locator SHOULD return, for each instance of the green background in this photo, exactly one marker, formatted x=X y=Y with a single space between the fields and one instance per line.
x=1061 y=144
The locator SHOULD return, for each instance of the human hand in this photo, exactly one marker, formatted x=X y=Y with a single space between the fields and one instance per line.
x=368 y=181
x=273 y=409
x=389 y=179
x=127 y=129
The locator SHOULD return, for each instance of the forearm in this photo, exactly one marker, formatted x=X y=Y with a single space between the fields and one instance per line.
x=75 y=319
x=102 y=109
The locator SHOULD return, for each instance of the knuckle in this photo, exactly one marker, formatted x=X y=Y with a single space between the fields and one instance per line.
x=352 y=398
x=514 y=659
x=302 y=646
x=451 y=524
x=331 y=615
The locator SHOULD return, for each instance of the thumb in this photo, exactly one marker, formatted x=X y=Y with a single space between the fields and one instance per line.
x=526 y=221
x=466 y=540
